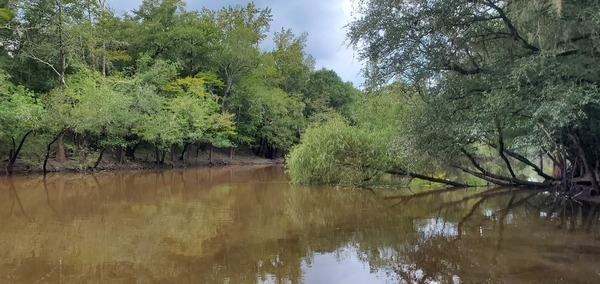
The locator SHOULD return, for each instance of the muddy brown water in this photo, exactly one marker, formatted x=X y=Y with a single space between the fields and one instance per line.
x=247 y=224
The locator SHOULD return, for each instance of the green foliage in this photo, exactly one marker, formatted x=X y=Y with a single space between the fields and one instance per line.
x=327 y=154
x=160 y=77
x=520 y=77
x=20 y=112
x=326 y=91
x=341 y=152
x=279 y=117
x=291 y=61
x=267 y=116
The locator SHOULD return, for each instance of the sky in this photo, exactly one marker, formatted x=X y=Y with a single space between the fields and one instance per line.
x=323 y=20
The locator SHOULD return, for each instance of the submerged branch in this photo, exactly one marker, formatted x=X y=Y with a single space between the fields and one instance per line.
x=526 y=161
x=502 y=180
x=427 y=178
x=426 y=193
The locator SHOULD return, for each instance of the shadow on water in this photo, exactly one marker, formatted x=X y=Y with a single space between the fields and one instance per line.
x=249 y=225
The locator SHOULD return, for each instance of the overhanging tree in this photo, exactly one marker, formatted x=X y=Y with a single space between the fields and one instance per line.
x=520 y=77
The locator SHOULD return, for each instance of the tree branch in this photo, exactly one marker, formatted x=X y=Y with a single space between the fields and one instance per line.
x=485 y=176
x=42 y=61
x=473 y=161
x=502 y=180
x=513 y=30
x=424 y=177
x=462 y=71
x=501 y=151
x=526 y=161
x=583 y=156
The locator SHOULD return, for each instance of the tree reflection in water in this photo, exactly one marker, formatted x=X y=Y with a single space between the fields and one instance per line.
x=248 y=225
x=504 y=235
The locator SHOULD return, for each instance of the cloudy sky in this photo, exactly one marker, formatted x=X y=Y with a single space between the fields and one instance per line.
x=323 y=20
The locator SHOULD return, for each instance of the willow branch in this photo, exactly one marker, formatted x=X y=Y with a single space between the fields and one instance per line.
x=501 y=152
x=513 y=30
x=428 y=178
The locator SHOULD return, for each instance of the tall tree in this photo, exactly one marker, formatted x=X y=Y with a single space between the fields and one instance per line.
x=518 y=76
x=43 y=42
x=326 y=91
x=291 y=60
x=243 y=28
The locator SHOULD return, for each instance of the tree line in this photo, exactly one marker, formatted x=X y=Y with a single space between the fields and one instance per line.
x=76 y=79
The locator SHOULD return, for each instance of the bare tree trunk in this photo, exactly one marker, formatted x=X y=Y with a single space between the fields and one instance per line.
x=11 y=163
x=210 y=152
x=60 y=150
x=185 y=146
x=61 y=41
x=130 y=151
x=157 y=155
x=501 y=151
x=119 y=153
x=427 y=178
x=584 y=159
x=104 y=58
x=14 y=153
x=48 y=146
x=99 y=158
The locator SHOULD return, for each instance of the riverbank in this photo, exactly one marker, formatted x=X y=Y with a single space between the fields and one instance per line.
x=111 y=163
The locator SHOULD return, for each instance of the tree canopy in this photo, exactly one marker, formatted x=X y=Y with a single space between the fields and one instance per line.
x=79 y=80
x=502 y=85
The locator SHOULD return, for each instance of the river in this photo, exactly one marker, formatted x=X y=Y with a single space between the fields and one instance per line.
x=247 y=224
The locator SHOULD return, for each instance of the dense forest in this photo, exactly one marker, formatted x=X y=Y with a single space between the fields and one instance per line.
x=78 y=81
x=505 y=91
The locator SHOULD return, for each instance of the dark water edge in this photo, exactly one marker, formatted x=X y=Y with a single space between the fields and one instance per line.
x=109 y=163
x=247 y=224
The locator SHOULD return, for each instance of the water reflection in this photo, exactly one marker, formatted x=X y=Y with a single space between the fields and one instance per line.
x=248 y=225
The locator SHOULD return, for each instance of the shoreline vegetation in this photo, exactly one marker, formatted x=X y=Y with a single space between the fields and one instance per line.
x=505 y=92
x=81 y=85
x=111 y=163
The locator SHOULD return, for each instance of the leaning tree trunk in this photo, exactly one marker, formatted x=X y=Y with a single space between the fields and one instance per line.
x=99 y=158
x=48 y=146
x=182 y=156
x=14 y=153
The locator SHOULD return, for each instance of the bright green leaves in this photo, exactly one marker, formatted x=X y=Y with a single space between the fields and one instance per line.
x=6 y=14
x=320 y=156
x=20 y=113
x=161 y=78
x=342 y=152
x=280 y=118
x=291 y=60
x=181 y=111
